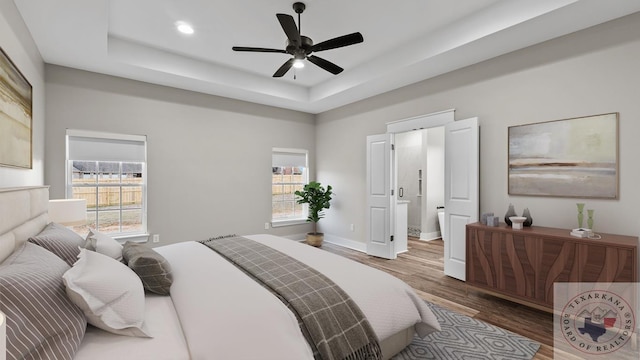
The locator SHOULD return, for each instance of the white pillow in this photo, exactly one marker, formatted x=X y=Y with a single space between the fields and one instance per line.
x=109 y=293
x=103 y=244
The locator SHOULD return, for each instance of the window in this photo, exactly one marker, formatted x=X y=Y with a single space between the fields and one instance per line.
x=109 y=171
x=289 y=172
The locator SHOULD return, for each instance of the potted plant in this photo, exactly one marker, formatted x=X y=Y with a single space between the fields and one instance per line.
x=318 y=199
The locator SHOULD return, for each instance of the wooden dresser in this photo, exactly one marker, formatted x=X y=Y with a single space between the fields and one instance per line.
x=522 y=265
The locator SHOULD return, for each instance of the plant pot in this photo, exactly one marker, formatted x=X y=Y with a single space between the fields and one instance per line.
x=315 y=239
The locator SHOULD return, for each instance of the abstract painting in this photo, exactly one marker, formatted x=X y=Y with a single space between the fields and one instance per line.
x=569 y=158
x=15 y=116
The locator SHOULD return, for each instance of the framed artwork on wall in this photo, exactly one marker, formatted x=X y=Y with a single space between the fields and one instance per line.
x=575 y=157
x=15 y=116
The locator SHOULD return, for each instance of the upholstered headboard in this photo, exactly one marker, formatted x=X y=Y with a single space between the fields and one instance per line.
x=23 y=213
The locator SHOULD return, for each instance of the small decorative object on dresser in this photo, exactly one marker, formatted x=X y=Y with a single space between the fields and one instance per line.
x=580 y=213
x=517 y=221
x=527 y=215
x=590 y=219
x=484 y=217
x=510 y=212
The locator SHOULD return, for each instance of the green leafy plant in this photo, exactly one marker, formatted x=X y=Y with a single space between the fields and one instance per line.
x=318 y=199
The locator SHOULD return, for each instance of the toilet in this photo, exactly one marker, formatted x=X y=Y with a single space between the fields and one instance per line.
x=441 y=220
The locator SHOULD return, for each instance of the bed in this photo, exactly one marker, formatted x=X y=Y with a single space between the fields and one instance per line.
x=216 y=311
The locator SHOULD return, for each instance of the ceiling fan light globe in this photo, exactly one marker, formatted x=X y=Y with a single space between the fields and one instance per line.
x=298 y=64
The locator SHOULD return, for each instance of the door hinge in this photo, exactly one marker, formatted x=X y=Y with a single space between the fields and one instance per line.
x=391 y=192
x=391 y=237
x=393 y=146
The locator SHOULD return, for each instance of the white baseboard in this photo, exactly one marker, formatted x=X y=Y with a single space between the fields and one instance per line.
x=348 y=243
x=430 y=236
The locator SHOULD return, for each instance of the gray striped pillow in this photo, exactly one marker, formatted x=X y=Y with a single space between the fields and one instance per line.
x=61 y=241
x=42 y=323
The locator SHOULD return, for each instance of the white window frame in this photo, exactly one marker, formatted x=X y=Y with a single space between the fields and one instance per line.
x=303 y=219
x=137 y=236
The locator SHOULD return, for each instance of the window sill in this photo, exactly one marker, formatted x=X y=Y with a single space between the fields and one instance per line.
x=136 y=238
x=282 y=223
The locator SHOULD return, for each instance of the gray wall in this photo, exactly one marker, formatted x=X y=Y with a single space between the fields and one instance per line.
x=594 y=71
x=17 y=43
x=209 y=158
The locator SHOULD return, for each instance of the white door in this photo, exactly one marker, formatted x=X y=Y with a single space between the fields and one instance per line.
x=380 y=217
x=461 y=191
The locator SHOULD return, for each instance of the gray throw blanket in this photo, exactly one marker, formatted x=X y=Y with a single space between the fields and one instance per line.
x=330 y=320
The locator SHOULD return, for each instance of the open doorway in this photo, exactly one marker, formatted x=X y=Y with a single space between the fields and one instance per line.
x=420 y=180
x=461 y=187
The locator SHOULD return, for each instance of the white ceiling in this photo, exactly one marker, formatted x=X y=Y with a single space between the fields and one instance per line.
x=405 y=41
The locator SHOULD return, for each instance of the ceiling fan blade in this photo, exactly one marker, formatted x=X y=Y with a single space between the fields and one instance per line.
x=289 y=26
x=340 y=41
x=255 y=49
x=327 y=65
x=284 y=68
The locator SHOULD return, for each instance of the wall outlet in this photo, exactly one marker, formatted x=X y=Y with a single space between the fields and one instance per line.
x=351 y=227
x=266 y=226
x=156 y=238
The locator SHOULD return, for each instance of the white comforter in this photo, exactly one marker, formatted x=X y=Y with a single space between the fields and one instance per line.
x=223 y=311
x=226 y=315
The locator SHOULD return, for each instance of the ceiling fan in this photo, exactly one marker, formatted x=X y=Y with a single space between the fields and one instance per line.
x=301 y=46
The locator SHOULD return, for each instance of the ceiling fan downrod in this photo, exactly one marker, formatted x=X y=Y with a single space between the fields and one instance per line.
x=299 y=7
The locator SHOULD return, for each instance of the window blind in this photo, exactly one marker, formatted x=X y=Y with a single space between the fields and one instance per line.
x=282 y=158
x=93 y=146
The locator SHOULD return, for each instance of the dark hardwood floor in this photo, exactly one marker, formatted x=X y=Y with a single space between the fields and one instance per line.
x=422 y=268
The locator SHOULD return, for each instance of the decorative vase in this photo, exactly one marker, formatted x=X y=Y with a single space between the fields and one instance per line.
x=590 y=219
x=484 y=217
x=510 y=212
x=529 y=220
x=580 y=215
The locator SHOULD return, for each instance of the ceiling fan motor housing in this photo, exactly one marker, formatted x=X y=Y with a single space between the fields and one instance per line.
x=305 y=47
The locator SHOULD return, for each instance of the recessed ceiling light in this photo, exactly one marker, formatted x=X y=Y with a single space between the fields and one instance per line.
x=184 y=27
